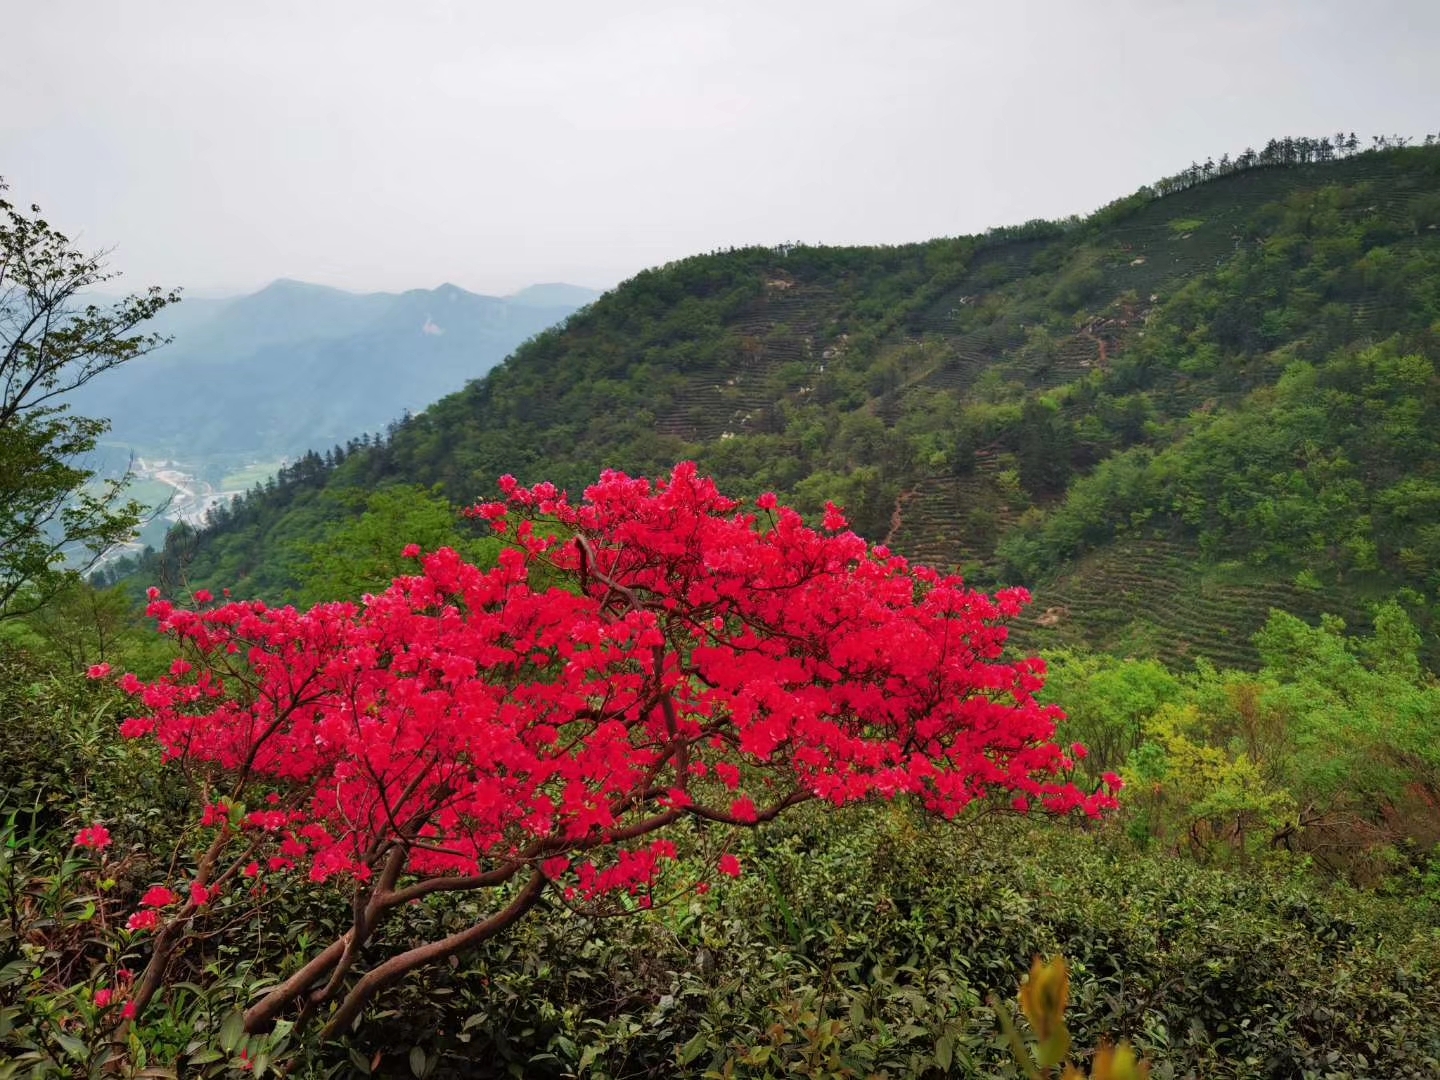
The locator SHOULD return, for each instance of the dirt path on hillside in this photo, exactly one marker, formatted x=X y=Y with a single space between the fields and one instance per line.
x=897 y=515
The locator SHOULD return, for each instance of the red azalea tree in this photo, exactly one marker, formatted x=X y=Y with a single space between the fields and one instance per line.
x=472 y=730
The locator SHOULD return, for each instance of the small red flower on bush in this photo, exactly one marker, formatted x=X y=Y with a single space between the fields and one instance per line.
x=148 y=919
x=158 y=896
x=200 y=895
x=97 y=671
x=103 y=998
x=95 y=837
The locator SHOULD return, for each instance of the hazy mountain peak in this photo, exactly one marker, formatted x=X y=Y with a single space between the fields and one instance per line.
x=554 y=294
x=297 y=365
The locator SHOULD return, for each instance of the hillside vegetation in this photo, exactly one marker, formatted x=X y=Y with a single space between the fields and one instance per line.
x=1206 y=402
x=1211 y=398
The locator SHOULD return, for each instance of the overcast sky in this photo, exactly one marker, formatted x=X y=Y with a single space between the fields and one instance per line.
x=388 y=145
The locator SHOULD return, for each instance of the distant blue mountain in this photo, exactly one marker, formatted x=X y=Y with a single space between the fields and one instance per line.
x=297 y=366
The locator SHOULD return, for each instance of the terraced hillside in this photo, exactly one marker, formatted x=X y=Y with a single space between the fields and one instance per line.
x=1144 y=597
x=1030 y=405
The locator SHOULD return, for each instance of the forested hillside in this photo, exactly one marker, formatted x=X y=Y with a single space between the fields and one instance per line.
x=1213 y=397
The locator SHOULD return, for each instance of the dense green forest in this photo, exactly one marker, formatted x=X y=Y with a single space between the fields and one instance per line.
x=1200 y=424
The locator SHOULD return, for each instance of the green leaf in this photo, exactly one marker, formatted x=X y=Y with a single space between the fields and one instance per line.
x=232 y=1031
x=74 y=1047
x=944 y=1051
x=692 y=1049
x=419 y=1063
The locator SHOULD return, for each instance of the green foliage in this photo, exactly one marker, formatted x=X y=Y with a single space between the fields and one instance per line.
x=1333 y=467
x=364 y=554
x=52 y=507
x=1328 y=751
x=1107 y=703
x=871 y=942
x=856 y=944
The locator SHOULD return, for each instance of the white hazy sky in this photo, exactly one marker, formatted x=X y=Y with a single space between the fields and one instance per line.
x=218 y=144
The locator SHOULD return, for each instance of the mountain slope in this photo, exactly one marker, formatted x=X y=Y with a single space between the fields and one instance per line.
x=1197 y=370
x=298 y=365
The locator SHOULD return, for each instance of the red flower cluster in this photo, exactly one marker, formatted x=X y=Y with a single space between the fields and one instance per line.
x=96 y=837
x=694 y=660
x=148 y=919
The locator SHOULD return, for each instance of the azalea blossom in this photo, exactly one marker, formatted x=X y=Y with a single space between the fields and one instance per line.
x=96 y=837
x=148 y=919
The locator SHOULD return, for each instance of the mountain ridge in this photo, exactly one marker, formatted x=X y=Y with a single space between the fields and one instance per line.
x=273 y=372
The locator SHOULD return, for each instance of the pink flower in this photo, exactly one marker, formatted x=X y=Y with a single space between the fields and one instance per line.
x=93 y=836
x=215 y=814
x=200 y=895
x=129 y=1012
x=253 y=870
x=729 y=865
x=412 y=551
x=1078 y=751
x=834 y=519
x=1113 y=781
x=158 y=896
x=97 y=671
x=553 y=868
x=203 y=596
x=143 y=920
x=767 y=501
x=103 y=998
